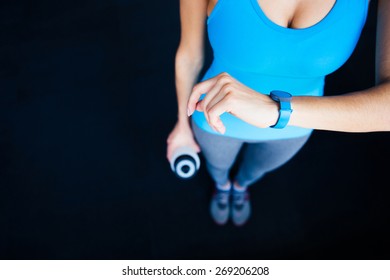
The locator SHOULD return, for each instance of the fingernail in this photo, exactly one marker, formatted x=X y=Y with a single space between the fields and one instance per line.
x=221 y=129
x=188 y=112
x=217 y=128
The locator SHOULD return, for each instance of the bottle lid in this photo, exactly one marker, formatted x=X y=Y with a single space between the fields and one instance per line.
x=185 y=151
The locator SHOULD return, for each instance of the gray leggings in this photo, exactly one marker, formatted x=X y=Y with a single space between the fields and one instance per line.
x=258 y=158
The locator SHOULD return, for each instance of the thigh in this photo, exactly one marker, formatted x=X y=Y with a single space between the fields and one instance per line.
x=218 y=150
x=270 y=155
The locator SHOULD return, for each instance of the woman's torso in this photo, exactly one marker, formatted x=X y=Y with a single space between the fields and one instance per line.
x=266 y=56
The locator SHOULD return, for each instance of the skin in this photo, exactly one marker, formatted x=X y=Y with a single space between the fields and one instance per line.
x=362 y=111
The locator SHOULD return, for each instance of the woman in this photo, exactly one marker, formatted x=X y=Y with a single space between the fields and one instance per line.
x=263 y=92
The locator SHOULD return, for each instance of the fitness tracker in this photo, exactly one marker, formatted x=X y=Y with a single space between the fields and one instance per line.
x=284 y=100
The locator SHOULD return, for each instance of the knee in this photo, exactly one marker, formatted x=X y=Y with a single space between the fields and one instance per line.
x=251 y=173
x=220 y=166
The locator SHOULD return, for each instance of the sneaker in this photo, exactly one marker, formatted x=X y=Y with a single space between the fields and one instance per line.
x=219 y=206
x=241 y=207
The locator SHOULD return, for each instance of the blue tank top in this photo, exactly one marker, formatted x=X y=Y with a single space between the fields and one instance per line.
x=266 y=56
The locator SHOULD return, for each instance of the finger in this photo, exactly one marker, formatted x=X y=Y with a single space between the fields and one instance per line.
x=216 y=111
x=222 y=81
x=226 y=89
x=197 y=91
x=199 y=107
x=197 y=148
x=168 y=154
x=170 y=150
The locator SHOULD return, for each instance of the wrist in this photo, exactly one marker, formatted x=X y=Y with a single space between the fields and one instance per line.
x=183 y=121
x=295 y=105
x=283 y=101
x=273 y=112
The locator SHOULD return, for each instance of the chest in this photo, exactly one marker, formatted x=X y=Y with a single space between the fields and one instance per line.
x=296 y=14
x=245 y=37
x=293 y=14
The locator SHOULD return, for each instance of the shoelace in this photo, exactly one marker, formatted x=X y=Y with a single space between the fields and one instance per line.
x=239 y=198
x=222 y=197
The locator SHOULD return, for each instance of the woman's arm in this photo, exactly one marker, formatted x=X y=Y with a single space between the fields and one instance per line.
x=190 y=53
x=188 y=64
x=363 y=111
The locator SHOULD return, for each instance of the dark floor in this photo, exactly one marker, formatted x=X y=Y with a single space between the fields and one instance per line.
x=87 y=100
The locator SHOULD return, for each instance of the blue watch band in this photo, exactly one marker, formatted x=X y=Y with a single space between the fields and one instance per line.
x=284 y=100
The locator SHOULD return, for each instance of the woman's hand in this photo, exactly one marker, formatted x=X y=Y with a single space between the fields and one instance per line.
x=181 y=136
x=226 y=94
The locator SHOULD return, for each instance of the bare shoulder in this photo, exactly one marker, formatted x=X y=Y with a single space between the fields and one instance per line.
x=193 y=14
x=383 y=3
x=198 y=6
x=383 y=41
x=193 y=11
x=210 y=6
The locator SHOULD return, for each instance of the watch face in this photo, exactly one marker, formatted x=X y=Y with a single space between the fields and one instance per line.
x=281 y=95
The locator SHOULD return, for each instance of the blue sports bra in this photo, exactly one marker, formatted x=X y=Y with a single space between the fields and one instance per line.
x=266 y=56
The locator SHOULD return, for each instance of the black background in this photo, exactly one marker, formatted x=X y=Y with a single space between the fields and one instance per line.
x=87 y=100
